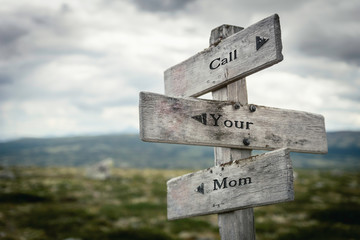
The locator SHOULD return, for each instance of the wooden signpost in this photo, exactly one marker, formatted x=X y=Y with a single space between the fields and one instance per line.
x=229 y=124
x=237 y=182
x=246 y=52
x=255 y=181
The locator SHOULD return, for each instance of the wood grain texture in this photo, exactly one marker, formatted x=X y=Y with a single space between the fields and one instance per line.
x=172 y=120
x=256 y=181
x=239 y=224
x=194 y=77
x=220 y=33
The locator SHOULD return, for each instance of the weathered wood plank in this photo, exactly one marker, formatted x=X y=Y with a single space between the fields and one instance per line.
x=248 y=51
x=255 y=181
x=228 y=124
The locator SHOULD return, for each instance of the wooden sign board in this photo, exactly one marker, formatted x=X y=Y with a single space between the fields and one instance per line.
x=228 y=124
x=256 y=181
x=248 y=51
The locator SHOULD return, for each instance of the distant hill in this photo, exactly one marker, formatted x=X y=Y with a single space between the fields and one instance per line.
x=130 y=151
x=343 y=152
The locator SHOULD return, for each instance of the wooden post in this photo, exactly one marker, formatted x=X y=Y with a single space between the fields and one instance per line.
x=238 y=224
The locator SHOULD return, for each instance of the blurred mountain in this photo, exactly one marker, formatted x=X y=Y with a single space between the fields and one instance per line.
x=343 y=152
x=130 y=151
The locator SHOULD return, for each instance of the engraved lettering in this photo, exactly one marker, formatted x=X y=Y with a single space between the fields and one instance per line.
x=215 y=119
x=211 y=64
x=216 y=183
x=245 y=180
x=202 y=118
x=241 y=126
x=214 y=64
x=228 y=123
x=233 y=183
x=248 y=125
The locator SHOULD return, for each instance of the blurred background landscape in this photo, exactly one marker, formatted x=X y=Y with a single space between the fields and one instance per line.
x=114 y=187
x=128 y=151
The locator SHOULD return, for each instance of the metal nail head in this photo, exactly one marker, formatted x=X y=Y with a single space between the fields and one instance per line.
x=246 y=142
x=252 y=108
x=237 y=105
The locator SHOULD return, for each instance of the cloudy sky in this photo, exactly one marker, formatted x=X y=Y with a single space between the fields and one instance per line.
x=77 y=67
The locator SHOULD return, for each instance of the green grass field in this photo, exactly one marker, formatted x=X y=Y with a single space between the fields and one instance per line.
x=61 y=203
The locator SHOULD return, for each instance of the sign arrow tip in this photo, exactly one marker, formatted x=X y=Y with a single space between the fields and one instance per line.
x=200 y=118
x=260 y=41
x=200 y=188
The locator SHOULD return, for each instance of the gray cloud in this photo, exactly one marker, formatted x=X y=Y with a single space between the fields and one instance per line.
x=10 y=33
x=339 y=44
x=5 y=79
x=100 y=105
x=161 y=5
x=23 y=30
x=274 y=6
x=353 y=95
x=331 y=32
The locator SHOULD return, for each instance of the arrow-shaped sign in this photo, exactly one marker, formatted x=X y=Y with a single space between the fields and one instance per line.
x=256 y=181
x=246 y=52
x=227 y=124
